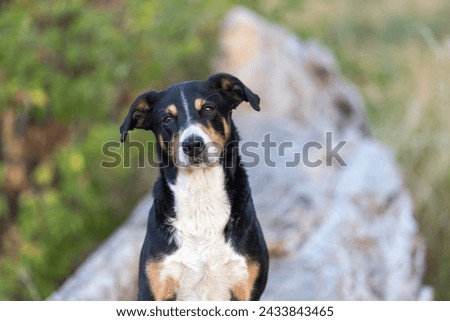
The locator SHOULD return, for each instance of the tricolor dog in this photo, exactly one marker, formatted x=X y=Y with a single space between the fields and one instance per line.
x=203 y=240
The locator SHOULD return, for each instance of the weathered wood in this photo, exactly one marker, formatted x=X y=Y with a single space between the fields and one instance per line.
x=341 y=228
x=335 y=231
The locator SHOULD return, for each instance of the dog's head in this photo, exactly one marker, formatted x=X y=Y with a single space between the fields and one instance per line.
x=191 y=120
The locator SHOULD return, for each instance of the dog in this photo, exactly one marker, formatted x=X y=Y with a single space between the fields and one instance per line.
x=203 y=239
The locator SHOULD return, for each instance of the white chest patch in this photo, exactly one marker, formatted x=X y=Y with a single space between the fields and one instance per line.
x=205 y=266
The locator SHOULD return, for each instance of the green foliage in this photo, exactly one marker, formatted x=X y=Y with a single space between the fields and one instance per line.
x=61 y=59
x=60 y=223
x=80 y=63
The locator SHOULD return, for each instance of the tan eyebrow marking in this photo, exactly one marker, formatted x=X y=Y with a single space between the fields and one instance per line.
x=198 y=103
x=172 y=109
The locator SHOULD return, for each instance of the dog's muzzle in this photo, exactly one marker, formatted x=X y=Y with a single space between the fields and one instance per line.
x=193 y=147
x=197 y=151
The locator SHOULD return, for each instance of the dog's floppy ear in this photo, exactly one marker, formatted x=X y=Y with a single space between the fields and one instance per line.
x=234 y=90
x=139 y=115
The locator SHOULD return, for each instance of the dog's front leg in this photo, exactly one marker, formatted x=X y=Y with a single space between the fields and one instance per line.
x=163 y=287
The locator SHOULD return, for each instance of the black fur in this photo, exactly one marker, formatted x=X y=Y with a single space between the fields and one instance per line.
x=225 y=92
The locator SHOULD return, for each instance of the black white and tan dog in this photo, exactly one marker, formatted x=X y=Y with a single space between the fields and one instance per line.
x=203 y=240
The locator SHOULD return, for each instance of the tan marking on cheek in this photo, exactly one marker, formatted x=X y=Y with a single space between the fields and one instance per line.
x=161 y=142
x=226 y=128
x=163 y=289
x=242 y=290
x=198 y=104
x=173 y=147
x=215 y=136
x=172 y=109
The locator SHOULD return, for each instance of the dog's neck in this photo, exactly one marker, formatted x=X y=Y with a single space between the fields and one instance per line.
x=204 y=257
x=201 y=203
x=178 y=186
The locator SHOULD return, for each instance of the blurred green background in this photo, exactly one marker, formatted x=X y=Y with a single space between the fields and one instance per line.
x=69 y=70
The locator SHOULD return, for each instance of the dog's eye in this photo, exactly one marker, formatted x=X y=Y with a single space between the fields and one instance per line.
x=208 y=109
x=167 y=119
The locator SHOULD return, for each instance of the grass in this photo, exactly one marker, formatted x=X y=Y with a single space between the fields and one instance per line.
x=398 y=54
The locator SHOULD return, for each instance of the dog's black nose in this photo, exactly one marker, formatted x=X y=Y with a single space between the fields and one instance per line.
x=193 y=146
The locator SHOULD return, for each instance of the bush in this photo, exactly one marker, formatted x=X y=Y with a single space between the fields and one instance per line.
x=68 y=72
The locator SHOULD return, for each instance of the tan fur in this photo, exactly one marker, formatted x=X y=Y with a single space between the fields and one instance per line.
x=242 y=291
x=174 y=145
x=218 y=139
x=142 y=106
x=226 y=128
x=198 y=104
x=163 y=289
x=172 y=109
x=140 y=119
x=226 y=83
x=161 y=142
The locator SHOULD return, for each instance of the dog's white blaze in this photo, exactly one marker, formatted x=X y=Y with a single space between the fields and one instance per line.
x=205 y=266
x=194 y=130
x=185 y=106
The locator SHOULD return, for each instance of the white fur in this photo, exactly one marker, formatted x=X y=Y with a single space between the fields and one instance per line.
x=185 y=106
x=213 y=153
x=194 y=130
x=205 y=265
